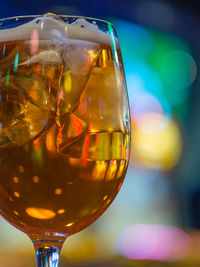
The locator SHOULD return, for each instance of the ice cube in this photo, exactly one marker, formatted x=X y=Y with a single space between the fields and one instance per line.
x=65 y=131
x=54 y=41
x=44 y=57
x=79 y=59
x=52 y=78
x=96 y=106
x=23 y=107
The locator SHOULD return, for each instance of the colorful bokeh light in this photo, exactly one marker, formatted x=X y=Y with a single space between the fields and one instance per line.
x=146 y=104
x=159 y=70
x=157 y=143
x=178 y=69
x=153 y=242
x=156 y=62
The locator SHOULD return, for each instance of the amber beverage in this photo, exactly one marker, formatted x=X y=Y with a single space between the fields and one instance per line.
x=64 y=126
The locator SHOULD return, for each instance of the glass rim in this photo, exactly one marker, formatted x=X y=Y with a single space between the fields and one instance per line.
x=59 y=15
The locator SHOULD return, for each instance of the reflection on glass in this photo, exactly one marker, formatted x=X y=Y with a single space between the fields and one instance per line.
x=40 y=213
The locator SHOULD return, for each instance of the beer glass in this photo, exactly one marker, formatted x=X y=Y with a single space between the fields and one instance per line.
x=64 y=126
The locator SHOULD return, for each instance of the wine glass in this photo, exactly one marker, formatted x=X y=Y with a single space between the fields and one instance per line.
x=64 y=126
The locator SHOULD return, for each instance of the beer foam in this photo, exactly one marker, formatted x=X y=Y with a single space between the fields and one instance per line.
x=49 y=28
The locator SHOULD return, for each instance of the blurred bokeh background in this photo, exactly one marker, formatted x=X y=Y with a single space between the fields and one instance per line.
x=155 y=219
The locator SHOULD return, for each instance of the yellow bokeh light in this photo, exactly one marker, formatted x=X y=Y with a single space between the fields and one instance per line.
x=40 y=213
x=159 y=149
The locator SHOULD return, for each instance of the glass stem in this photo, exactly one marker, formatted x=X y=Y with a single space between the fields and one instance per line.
x=47 y=256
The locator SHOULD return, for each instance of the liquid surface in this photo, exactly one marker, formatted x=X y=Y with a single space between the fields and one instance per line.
x=64 y=145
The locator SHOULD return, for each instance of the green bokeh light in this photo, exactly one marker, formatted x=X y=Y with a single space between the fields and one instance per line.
x=178 y=69
x=165 y=54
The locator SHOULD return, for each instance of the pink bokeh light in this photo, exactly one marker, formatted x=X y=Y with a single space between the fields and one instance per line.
x=153 y=242
x=146 y=107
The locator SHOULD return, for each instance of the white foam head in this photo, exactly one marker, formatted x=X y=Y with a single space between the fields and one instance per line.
x=49 y=28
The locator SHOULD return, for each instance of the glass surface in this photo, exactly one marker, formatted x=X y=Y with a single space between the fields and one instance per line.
x=64 y=126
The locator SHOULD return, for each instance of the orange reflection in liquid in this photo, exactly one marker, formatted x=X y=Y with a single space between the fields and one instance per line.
x=16 y=179
x=99 y=170
x=121 y=169
x=58 y=191
x=50 y=140
x=40 y=213
x=16 y=194
x=111 y=170
x=76 y=126
x=85 y=149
